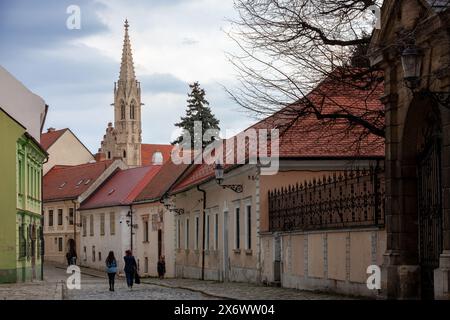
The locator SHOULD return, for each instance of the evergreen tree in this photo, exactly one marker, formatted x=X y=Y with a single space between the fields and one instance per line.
x=197 y=110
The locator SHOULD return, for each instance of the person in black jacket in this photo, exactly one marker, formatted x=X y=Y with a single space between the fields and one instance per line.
x=161 y=267
x=130 y=268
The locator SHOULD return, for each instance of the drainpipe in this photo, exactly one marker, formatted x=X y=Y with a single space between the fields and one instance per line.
x=42 y=218
x=131 y=227
x=204 y=238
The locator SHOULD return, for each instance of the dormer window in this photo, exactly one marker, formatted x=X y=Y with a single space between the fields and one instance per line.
x=62 y=185
x=111 y=192
x=157 y=158
x=87 y=182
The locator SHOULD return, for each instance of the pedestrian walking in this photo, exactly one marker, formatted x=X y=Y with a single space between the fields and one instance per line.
x=130 y=268
x=111 y=269
x=161 y=267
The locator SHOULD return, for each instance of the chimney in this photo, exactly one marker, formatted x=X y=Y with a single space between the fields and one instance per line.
x=51 y=130
x=100 y=156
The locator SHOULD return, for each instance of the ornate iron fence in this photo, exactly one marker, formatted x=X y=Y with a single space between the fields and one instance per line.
x=348 y=199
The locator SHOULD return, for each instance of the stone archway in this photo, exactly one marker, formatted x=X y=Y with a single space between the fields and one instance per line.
x=414 y=225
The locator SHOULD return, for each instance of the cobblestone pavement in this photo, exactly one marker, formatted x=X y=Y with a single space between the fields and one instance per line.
x=243 y=291
x=94 y=286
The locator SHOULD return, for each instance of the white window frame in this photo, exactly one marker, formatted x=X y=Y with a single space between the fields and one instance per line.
x=248 y=227
x=197 y=231
x=216 y=231
x=186 y=233
x=207 y=229
x=237 y=226
x=178 y=235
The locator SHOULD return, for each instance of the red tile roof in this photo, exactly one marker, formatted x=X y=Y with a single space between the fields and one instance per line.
x=308 y=138
x=122 y=188
x=68 y=182
x=163 y=180
x=147 y=151
x=49 y=138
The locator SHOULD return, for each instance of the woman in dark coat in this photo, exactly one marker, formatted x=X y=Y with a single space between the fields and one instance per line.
x=130 y=268
x=161 y=267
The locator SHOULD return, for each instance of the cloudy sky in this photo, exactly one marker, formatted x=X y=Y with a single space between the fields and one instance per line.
x=174 y=42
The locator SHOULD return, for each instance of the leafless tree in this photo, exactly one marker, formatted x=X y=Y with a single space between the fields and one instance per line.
x=298 y=55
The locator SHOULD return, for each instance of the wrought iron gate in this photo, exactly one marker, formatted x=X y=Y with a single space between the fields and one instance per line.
x=430 y=213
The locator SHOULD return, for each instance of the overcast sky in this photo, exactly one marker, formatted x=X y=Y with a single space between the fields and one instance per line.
x=174 y=42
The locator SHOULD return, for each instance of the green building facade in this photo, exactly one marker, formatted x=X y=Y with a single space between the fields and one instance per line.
x=20 y=203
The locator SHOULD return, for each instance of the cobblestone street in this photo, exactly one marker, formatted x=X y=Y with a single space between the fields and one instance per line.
x=94 y=286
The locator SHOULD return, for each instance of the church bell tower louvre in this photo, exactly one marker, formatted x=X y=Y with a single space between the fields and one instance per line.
x=124 y=139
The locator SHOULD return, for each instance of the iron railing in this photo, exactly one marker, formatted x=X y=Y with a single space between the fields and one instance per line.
x=348 y=199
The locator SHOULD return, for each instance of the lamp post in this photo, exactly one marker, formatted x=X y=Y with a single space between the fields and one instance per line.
x=219 y=171
x=412 y=73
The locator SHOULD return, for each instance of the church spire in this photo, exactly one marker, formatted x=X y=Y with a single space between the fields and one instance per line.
x=127 y=66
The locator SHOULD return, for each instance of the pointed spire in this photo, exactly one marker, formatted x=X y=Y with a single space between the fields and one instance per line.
x=127 y=66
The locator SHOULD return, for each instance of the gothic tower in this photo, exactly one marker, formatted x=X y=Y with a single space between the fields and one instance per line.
x=124 y=140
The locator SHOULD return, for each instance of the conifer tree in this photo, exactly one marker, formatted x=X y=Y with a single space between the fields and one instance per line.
x=197 y=110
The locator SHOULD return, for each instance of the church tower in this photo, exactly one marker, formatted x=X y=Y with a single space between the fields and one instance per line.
x=124 y=139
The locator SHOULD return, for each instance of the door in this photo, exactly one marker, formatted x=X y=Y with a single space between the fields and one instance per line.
x=429 y=213
x=226 y=257
x=159 y=243
x=277 y=258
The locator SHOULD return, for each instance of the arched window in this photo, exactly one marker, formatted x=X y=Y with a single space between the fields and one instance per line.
x=157 y=158
x=124 y=154
x=122 y=110
x=132 y=110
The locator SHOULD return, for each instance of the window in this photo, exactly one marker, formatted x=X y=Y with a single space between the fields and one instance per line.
x=102 y=224
x=99 y=256
x=122 y=110
x=71 y=216
x=157 y=158
x=132 y=110
x=216 y=231
x=124 y=154
x=237 y=229
x=22 y=241
x=50 y=218
x=186 y=234
x=84 y=225
x=145 y=231
x=248 y=229
x=109 y=154
x=178 y=234
x=112 y=223
x=207 y=232
x=60 y=217
x=93 y=253
x=91 y=225
x=84 y=253
x=60 y=244
x=197 y=231
x=146 y=265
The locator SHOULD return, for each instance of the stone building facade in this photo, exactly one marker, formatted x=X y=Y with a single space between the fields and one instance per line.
x=417 y=260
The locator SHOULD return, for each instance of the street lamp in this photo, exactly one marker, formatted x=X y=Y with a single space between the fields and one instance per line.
x=412 y=72
x=412 y=64
x=238 y=188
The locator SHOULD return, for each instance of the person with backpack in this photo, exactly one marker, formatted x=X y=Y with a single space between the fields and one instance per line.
x=111 y=269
